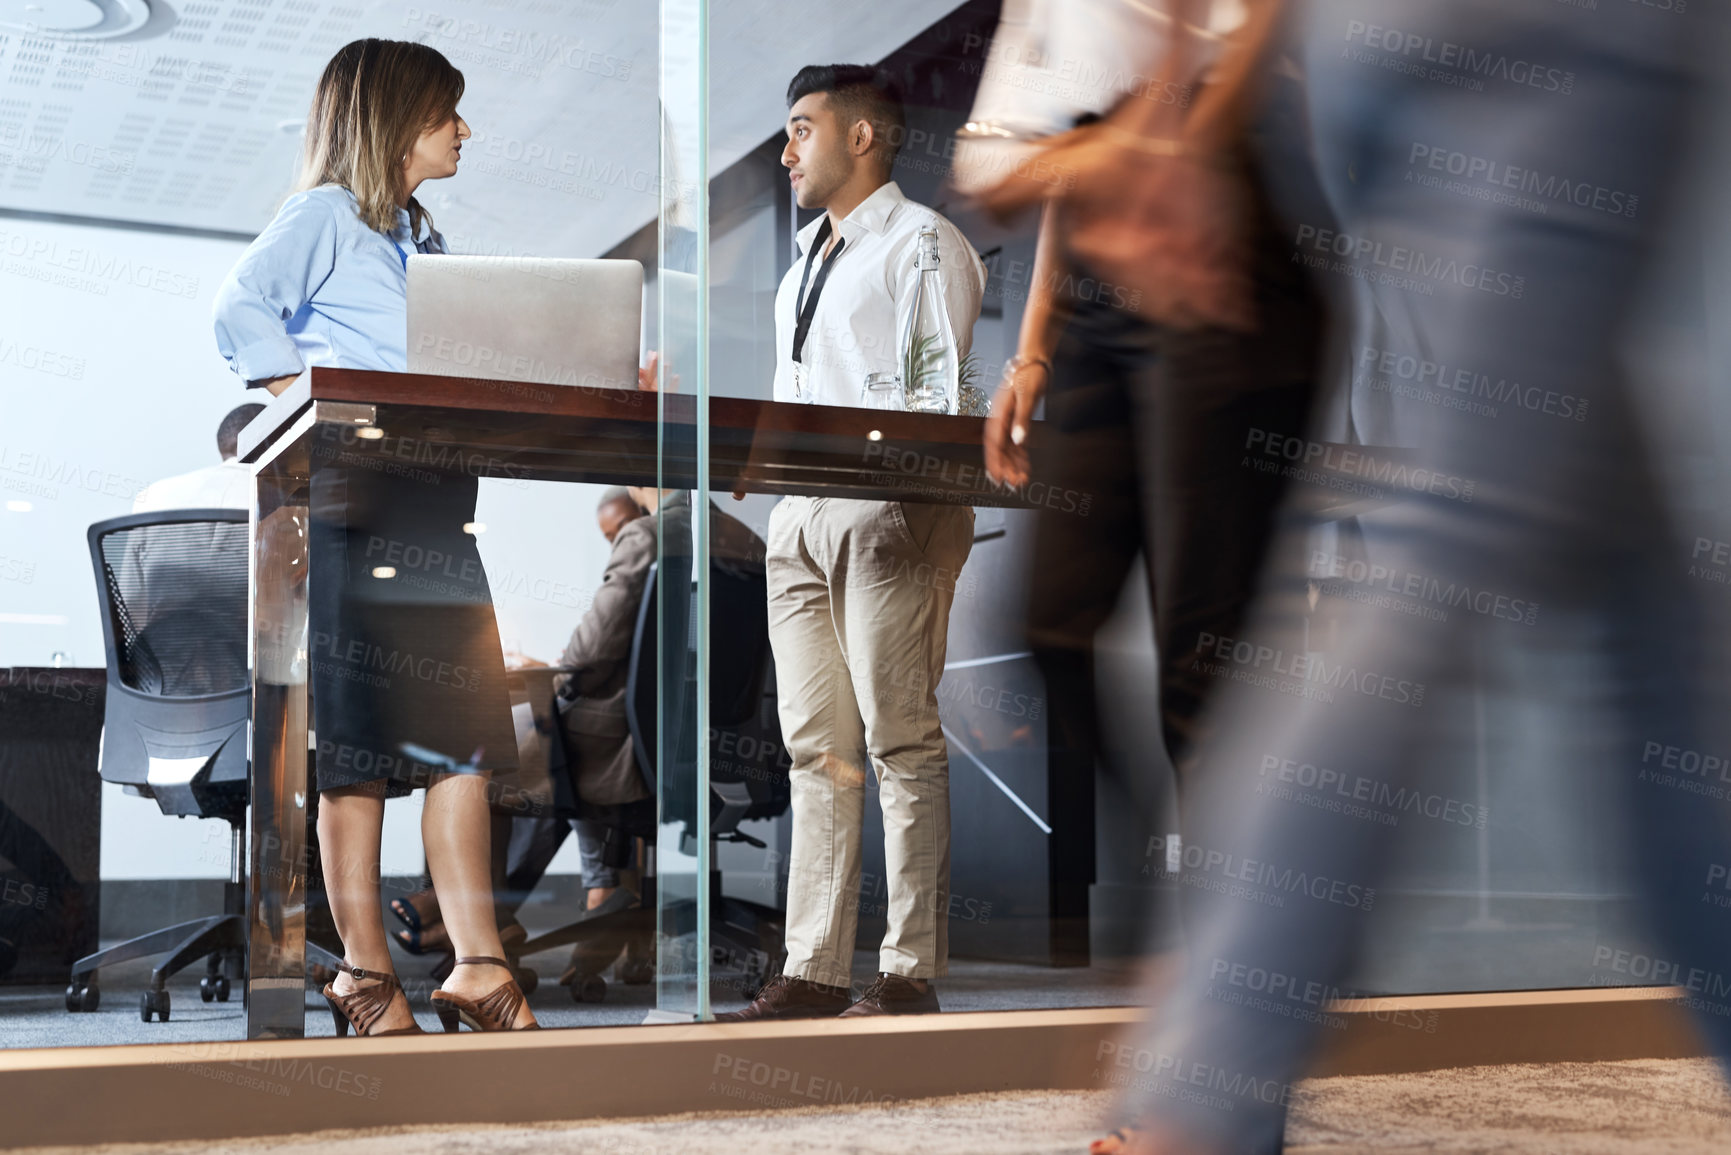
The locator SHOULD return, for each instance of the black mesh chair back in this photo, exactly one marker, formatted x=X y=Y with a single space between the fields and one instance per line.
x=748 y=768
x=748 y=765
x=659 y=710
x=738 y=644
x=173 y=592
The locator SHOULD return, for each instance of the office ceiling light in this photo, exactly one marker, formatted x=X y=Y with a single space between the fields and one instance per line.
x=79 y=19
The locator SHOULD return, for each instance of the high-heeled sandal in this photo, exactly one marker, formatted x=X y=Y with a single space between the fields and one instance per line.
x=494 y=1011
x=512 y=936
x=363 y=1006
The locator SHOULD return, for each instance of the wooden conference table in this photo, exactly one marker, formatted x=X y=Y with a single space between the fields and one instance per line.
x=515 y=430
x=518 y=430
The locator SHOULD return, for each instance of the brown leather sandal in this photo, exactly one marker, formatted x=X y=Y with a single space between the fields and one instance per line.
x=494 y=1011
x=364 y=1006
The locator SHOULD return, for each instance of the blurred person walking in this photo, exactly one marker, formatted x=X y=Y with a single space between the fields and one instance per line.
x=1146 y=407
x=1551 y=499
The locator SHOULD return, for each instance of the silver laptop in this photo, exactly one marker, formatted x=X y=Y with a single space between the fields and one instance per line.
x=543 y=320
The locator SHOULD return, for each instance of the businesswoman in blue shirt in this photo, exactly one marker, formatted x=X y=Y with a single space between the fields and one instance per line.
x=400 y=661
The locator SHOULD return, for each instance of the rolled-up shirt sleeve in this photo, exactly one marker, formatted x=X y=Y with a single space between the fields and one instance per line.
x=278 y=274
x=964 y=285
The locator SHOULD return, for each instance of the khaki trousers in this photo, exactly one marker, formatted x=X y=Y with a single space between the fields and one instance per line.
x=859 y=610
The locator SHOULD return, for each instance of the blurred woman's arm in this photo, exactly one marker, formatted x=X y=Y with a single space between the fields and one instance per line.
x=1030 y=371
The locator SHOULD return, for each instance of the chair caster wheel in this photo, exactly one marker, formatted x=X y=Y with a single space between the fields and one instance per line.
x=153 y=1002
x=527 y=979
x=213 y=988
x=83 y=998
x=635 y=972
x=588 y=989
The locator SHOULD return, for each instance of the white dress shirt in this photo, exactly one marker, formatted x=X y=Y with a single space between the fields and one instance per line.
x=225 y=486
x=854 y=326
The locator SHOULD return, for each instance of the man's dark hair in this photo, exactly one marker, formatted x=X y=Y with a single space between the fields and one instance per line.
x=857 y=92
x=228 y=433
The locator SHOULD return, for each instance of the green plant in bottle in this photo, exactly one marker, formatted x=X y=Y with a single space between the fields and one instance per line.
x=930 y=365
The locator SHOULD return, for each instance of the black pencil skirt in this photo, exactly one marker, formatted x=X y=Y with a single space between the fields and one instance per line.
x=406 y=669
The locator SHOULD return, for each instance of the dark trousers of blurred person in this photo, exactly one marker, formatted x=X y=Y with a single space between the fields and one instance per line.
x=1143 y=448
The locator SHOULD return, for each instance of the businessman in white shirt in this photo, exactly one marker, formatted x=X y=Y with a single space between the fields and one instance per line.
x=860 y=591
x=224 y=486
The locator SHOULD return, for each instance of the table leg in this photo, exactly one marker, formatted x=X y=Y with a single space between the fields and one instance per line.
x=277 y=842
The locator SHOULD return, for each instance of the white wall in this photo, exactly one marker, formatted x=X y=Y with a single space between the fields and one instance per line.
x=110 y=379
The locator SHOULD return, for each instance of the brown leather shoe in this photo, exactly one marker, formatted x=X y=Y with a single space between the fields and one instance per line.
x=785 y=997
x=894 y=995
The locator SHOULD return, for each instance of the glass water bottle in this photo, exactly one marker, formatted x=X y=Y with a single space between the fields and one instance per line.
x=931 y=364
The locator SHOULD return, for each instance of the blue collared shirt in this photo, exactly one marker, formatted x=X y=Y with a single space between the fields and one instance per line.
x=318 y=287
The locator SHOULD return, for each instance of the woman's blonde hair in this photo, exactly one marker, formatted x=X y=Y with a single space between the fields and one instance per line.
x=374 y=101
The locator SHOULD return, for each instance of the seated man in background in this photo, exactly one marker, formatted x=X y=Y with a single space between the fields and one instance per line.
x=195 y=642
x=592 y=698
x=224 y=486
x=529 y=844
x=592 y=720
x=598 y=747
x=597 y=738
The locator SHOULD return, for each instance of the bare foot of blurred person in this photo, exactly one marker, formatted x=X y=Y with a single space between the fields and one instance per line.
x=1131 y=1140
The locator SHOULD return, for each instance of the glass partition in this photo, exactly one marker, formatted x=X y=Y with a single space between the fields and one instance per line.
x=793 y=683
x=1067 y=859
x=126 y=199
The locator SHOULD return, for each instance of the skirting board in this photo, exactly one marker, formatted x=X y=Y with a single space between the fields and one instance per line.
x=210 y=1091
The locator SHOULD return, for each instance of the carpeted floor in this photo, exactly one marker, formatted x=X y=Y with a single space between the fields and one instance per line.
x=1643 y=1107
x=1647 y=1107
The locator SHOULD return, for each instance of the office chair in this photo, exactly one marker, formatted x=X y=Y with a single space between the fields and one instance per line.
x=173 y=592
x=748 y=772
x=741 y=716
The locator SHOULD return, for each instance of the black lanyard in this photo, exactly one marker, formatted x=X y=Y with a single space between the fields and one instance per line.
x=807 y=309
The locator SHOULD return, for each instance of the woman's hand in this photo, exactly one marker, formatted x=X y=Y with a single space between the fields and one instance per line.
x=1019 y=394
x=1172 y=230
x=276 y=385
x=646 y=374
x=1169 y=228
